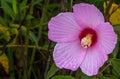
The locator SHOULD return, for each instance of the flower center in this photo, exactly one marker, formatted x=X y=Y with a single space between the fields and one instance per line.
x=86 y=41
x=88 y=37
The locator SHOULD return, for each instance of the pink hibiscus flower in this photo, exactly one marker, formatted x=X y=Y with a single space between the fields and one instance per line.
x=83 y=39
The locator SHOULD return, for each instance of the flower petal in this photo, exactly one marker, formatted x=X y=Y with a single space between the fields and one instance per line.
x=106 y=37
x=88 y=15
x=63 y=28
x=94 y=59
x=69 y=55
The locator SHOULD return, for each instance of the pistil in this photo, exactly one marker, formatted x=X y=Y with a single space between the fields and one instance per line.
x=86 y=41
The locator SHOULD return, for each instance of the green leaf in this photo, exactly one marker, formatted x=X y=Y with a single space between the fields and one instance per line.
x=63 y=77
x=115 y=52
x=29 y=17
x=23 y=5
x=3 y=21
x=97 y=3
x=109 y=77
x=6 y=8
x=87 y=77
x=52 y=71
x=117 y=30
x=53 y=6
x=116 y=66
x=33 y=37
x=101 y=77
x=38 y=2
x=78 y=74
x=14 y=6
x=4 y=61
x=113 y=77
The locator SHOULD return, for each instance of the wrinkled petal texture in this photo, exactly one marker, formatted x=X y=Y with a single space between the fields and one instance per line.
x=87 y=15
x=94 y=59
x=68 y=55
x=106 y=37
x=63 y=28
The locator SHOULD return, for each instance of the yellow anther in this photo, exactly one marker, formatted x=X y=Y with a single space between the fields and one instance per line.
x=86 y=41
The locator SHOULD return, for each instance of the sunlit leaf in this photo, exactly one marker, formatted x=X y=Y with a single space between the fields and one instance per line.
x=4 y=62
x=14 y=6
x=115 y=16
x=17 y=26
x=5 y=34
x=13 y=31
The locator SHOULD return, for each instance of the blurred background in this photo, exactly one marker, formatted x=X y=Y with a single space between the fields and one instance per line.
x=26 y=51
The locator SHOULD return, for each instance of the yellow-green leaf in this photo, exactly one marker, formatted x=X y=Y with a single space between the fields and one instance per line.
x=4 y=62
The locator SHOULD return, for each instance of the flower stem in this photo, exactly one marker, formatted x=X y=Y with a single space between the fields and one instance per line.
x=29 y=46
x=48 y=61
x=27 y=42
x=44 y=10
x=21 y=40
x=107 y=10
x=32 y=59
x=113 y=10
x=11 y=64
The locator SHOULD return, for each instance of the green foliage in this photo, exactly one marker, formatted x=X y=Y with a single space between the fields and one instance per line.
x=52 y=71
x=117 y=30
x=87 y=77
x=116 y=67
x=98 y=3
x=33 y=38
x=3 y=21
x=6 y=8
x=63 y=77
x=116 y=51
x=14 y=6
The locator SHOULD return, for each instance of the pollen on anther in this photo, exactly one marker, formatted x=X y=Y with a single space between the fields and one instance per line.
x=86 y=41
